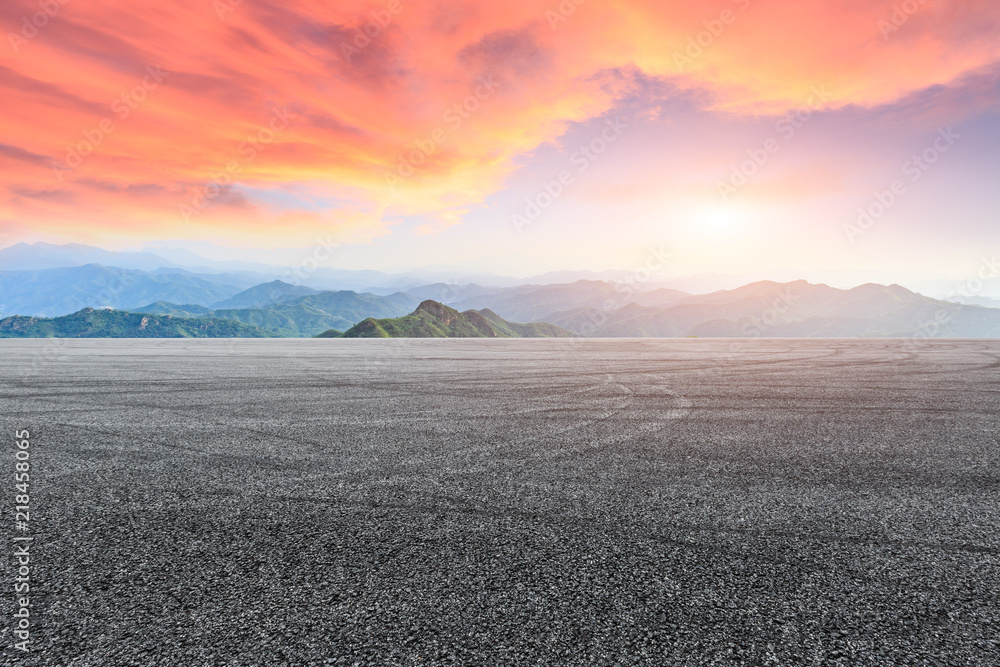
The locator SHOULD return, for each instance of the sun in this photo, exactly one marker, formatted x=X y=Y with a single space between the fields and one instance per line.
x=720 y=219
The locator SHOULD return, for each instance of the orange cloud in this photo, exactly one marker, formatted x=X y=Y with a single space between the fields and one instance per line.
x=191 y=117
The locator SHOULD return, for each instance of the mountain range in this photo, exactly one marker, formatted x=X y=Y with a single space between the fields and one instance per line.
x=60 y=291
x=588 y=308
x=790 y=310
x=291 y=313
x=40 y=256
x=595 y=308
x=157 y=257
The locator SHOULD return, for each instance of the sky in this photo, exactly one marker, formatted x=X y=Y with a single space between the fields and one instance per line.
x=850 y=138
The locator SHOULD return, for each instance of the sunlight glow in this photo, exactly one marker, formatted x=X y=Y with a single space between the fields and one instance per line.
x=721 y=220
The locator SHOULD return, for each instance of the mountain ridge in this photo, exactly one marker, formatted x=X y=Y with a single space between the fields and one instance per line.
x=264 y=294
x=110 y=323
x=585 y=307
x=432 y=319
x=301 y=316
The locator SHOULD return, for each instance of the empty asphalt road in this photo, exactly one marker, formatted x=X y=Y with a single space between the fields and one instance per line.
x=508 y=502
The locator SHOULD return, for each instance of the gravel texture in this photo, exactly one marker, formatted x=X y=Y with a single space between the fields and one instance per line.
x=520 y=502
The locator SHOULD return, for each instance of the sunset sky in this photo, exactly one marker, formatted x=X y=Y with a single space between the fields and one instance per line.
x=516 y=137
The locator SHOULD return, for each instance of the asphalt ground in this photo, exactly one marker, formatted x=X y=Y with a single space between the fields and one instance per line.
x=514 y=502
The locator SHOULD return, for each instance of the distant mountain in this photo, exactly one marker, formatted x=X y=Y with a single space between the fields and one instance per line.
x=435 y=320
x=590 y=321
x=659 y=298
x=446 y=292
x=404 y=282
x=157 y=257
x=302 y=316
x=54 y=292
x=240 y=280
x=90 y=323
x=561 y=277
x=539 y=302
x=980 y=301
x=265 y=294
x=196 y=262
x=164 y=308
x=355 y=307
x=796 y=309
x=503 y=328
x=39 y=256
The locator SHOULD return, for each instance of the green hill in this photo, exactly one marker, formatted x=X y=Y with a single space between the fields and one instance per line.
x=90 y=323
x=434 y=320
